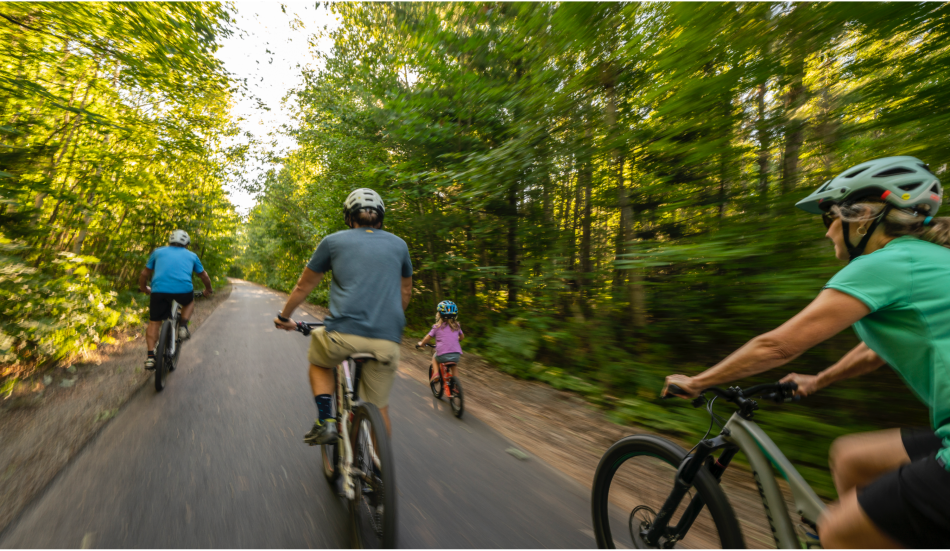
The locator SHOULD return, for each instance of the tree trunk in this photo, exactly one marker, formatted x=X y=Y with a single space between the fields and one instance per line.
x=762 y=130
x=794 y=123
x=513 y=245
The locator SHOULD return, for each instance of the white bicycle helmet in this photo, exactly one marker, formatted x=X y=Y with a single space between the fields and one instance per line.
x=179 y=237
x=364 y=199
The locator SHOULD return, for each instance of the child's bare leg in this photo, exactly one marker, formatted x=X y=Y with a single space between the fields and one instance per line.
x=435 y=370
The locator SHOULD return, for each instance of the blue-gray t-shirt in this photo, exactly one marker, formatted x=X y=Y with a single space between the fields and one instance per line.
x=366 y=291
x=173 y=267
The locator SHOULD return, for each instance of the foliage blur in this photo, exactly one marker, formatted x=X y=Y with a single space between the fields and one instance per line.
x=607 y=189
x=113 y=118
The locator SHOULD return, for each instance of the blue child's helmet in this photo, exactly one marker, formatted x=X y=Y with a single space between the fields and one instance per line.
x=447 y=308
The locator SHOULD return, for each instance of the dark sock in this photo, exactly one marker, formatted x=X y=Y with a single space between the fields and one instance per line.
x=185 y=322
x=151 y=353
x=324 y=406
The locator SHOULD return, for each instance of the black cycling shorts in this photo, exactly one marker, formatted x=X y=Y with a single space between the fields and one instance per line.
x=160 y=304
x=912 y=503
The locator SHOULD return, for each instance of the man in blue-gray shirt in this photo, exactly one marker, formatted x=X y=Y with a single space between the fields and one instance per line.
x=369 y=293
x=170 y=270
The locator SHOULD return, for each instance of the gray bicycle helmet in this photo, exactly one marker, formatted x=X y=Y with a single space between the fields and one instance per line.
x=901 y=182
x=904 y=182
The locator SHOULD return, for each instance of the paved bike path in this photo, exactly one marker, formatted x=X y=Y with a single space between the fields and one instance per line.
x=216 y=460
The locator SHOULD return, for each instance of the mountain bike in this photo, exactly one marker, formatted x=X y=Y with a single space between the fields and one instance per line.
x=168 y=348
x=360 y=463
x=671 y=493
x=447 y=384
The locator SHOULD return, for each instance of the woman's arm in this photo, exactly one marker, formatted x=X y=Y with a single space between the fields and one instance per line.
x=826 y=316
x=859 y=361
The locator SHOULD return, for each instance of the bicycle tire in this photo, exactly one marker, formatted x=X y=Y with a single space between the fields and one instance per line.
x=456 y=398
x=383 y=491
x=437 y=387
x=723 y=516
x=330 y=453
x=173 y=365
x=161 y=366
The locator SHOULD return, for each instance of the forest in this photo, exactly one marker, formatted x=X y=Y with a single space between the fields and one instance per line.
x=115 y=128
x=606 y=190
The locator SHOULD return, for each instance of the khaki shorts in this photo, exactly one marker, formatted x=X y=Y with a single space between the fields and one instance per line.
x=329 y=349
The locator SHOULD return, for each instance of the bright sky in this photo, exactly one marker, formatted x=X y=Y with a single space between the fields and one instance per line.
x=262 y=26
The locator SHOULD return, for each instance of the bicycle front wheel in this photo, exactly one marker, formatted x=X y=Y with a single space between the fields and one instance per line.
x=436 y=385
x=331 y=452
x=161 y=361
x=631 y=484
x=373 y=512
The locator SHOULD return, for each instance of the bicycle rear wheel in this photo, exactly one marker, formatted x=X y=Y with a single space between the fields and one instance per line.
x=373 y=512
x=161 y=359
x=436 y=386
x=455 y=397
x=631 y=484
x=173 y=364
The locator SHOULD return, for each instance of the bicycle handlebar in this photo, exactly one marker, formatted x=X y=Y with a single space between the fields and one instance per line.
x=306 y=327
x=775 y=392
x=425 y=345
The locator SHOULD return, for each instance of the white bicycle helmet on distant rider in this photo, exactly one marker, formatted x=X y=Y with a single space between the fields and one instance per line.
x=363 y=200
x=180 y=238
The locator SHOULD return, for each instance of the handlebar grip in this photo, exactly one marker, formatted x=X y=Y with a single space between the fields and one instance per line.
x=673 y=391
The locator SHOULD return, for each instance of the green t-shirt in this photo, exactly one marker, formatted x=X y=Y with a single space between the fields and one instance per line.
x=907 y=287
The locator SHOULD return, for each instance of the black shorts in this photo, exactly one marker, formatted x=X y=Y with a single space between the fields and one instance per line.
x=160 y=304
x=912 y=504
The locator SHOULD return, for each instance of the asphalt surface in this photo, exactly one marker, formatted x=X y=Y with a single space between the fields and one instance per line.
x=216 y=460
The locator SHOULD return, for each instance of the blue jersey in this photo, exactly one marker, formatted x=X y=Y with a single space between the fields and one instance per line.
x=173 y=267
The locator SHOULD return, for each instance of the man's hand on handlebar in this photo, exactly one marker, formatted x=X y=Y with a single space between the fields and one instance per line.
x=688 y=388
x=146 y=289
x=207 y=293
x=289 y=325
x=807 y=384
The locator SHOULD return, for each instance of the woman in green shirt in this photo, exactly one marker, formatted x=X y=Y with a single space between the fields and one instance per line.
x=895 y=292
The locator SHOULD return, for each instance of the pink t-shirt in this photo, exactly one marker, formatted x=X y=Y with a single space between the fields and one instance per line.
x=446 y=340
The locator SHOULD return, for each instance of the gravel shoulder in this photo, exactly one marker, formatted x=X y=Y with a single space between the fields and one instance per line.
x=42 y=434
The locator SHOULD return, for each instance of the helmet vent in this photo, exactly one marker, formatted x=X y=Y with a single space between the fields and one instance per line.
x=908 y=187
x=894 y=172
x=925 y=167
x=935 y=189
x=856 y=172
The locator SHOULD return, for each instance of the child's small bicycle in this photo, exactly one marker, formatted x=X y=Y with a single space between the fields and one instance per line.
x=448 y=385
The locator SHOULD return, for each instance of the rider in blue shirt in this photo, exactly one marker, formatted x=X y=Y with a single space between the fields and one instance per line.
x=170 y=270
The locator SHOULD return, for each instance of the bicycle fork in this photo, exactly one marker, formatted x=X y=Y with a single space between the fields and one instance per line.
x=685 y=476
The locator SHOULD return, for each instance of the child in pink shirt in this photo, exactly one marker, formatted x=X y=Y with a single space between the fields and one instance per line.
x=447 y=333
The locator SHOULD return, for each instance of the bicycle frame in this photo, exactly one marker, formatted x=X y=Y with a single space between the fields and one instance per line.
x=346 y=384
x=345 y=391
x=741 y=434
x=763 y=454
x=444 y=373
